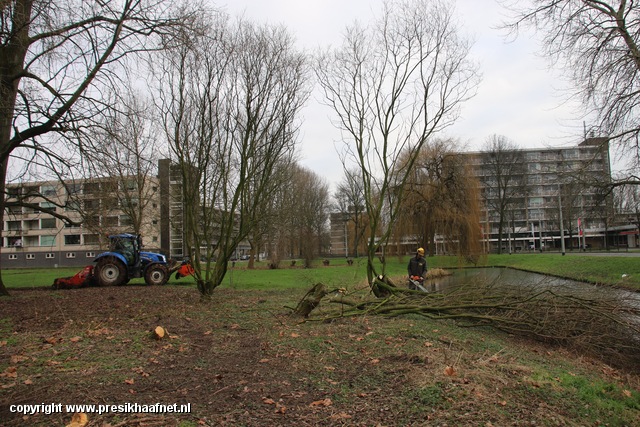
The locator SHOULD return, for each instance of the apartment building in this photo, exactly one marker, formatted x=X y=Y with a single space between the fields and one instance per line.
x=547 y=186
x=537 y=189
x=34 y=236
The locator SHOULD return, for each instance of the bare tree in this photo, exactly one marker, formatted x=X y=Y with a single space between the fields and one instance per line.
x=296 y=220
x=392 y=86
x=230 y=110
x=503 y=180
x=349 y=197
x=310 y=212
x=124 y=148
x=596 y=43
x=55 y=56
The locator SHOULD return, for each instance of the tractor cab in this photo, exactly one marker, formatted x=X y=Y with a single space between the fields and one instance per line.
x=128 y=245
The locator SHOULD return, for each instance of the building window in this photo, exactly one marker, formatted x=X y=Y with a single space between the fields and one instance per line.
x=71 y=254
x=129 y=185
x=13 y=256
x=91 y=187
x=16 y=242
x=14 y=225
x=14 y=210
x=110 y=221
x=72 y=239
x=125 y=221
x=14 y=192
x=47 y=240
x=31 y=256
x=73 y=189
x=90 y=255
x=48 y=190
x=72 y=205
x=91 y=204
x=50 y=256
x=536 y=201
x=48 y=223
x=91 y=239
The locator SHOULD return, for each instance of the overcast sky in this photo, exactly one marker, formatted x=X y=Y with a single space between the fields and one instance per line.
x=519 y=97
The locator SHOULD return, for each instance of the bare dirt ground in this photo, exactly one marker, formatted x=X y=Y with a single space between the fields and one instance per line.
x=240 y=360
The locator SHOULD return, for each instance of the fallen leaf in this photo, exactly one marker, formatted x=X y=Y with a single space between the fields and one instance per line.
x=16 y=358
x=263 y=360
x=3 y=343
x=10 y=372
x=627 y=393
x=129 y=381
x=323 y=402
x=28 y=382
x=503 y=403
x=450 y=371
x=268 y=401
x=79 y=419
x=294 y=335
x=75 y=339
x=374 y=361
x=340 y=416
x=428 y=344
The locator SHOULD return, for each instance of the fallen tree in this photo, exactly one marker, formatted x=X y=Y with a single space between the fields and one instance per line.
x=590 y=321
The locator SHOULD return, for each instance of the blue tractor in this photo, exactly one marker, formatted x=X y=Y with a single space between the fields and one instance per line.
x=125 y=260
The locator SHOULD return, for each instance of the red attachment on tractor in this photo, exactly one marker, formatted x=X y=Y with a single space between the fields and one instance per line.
x=186 y=269
x=83 y=278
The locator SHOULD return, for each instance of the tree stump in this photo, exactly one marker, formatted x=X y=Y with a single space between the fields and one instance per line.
x=382 y=286
x=311 y=300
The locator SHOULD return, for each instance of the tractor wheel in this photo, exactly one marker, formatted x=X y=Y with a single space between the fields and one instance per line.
x=110 y=272
x=156 y=274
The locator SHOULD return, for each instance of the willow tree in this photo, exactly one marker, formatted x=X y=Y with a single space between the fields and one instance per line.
x=442 y=198
x=56 y=59
x=393 y=85
x=230 y=101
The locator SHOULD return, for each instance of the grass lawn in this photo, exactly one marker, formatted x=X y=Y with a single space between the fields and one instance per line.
x=594 y=269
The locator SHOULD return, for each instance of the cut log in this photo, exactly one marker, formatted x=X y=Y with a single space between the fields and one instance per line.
x=159 y=332
x=79 y=419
